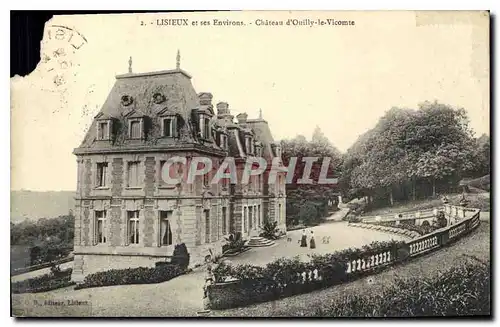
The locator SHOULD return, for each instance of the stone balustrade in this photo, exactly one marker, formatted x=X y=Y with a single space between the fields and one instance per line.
x=235 y=293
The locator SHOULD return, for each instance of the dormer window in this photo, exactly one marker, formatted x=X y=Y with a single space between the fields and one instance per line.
x=206 y=131
x=104 y=126
x=103 y=130
x=249 y=145
x=169 y=126
x=204 y=127
x=135 y=128
x=135 y=125
x=223 y=141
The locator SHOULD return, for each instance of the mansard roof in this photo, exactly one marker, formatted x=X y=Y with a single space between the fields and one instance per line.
x=164 y=93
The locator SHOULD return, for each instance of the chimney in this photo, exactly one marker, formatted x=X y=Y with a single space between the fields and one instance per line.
x=242 y=118
x=205 y=100
x=223 y=109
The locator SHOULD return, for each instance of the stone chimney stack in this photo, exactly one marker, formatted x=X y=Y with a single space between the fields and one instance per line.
x=223 y=109
x=205 y=100
x=242 y=118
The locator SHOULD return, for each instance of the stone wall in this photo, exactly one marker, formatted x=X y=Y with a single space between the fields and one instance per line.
x=187 y=203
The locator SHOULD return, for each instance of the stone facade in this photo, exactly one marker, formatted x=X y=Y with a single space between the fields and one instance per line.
x=125 y=213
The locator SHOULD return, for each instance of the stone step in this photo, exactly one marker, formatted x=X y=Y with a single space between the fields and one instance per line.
x=259 y=242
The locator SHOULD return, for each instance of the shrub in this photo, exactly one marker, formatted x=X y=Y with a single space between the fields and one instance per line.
x=43 y=283
x=460 y=291
x=181 y=256
x=142 y=275
x=235 y=244
x=270 y=230
x=309 y=214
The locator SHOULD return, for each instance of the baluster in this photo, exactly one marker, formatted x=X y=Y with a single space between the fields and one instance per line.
x=359 y=265
x=348 y=267
x=354 y=265
x=363 y=264
x=372 y=261
x=389 y=256
x=380 y=258
x=304 y=277
x=376 y=260
x=315 y=272
x=384 y=257
x=411 y=248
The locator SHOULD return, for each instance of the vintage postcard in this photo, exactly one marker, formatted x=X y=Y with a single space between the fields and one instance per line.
x=254 y=164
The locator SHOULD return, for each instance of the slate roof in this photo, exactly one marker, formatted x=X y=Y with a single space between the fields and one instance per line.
x=156 y=94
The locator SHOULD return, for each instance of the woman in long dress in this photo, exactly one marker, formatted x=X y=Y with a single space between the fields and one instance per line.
x=303 y=241
x=312 y=243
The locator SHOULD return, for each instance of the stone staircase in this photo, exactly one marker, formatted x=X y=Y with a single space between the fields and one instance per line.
x=257 y=241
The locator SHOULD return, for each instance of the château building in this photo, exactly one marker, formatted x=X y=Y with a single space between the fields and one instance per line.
x=125 y=213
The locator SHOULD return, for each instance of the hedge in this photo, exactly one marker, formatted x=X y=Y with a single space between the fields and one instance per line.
x=142 y=275
x=462 y=290
x=43 y=283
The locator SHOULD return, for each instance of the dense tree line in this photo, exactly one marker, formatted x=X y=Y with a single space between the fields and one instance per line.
x=44 y=240
x=412 y=154
x=408 y=155
x=308 y=203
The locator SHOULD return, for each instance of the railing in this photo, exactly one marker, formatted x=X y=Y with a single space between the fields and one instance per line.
x=243 y=292
x=410 y=215
x=370 y=262
x=24 y=270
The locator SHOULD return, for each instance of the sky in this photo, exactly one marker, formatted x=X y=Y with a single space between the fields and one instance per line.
x=340 y=78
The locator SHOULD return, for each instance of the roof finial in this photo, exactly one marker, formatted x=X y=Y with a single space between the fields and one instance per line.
x=178 y=64
x=130 y=65
x=260 y=113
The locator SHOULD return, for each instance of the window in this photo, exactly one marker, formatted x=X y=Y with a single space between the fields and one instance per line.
x=207 y=225
x=168 y=127
x=206 y=131
x=100 y=226
x=222 y=141
x=247 y=144
x=250 y=218
x=206 y=181
x=258 y=215
x=103 y=130
x=224 y=220
x=245 y=223
x=133 y=174
x=135 y=129
x=165 y=229
x=133 y=227
x=225 y=183
x=102 y=169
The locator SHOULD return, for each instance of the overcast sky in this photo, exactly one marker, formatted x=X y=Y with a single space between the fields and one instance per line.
x=341 y=78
